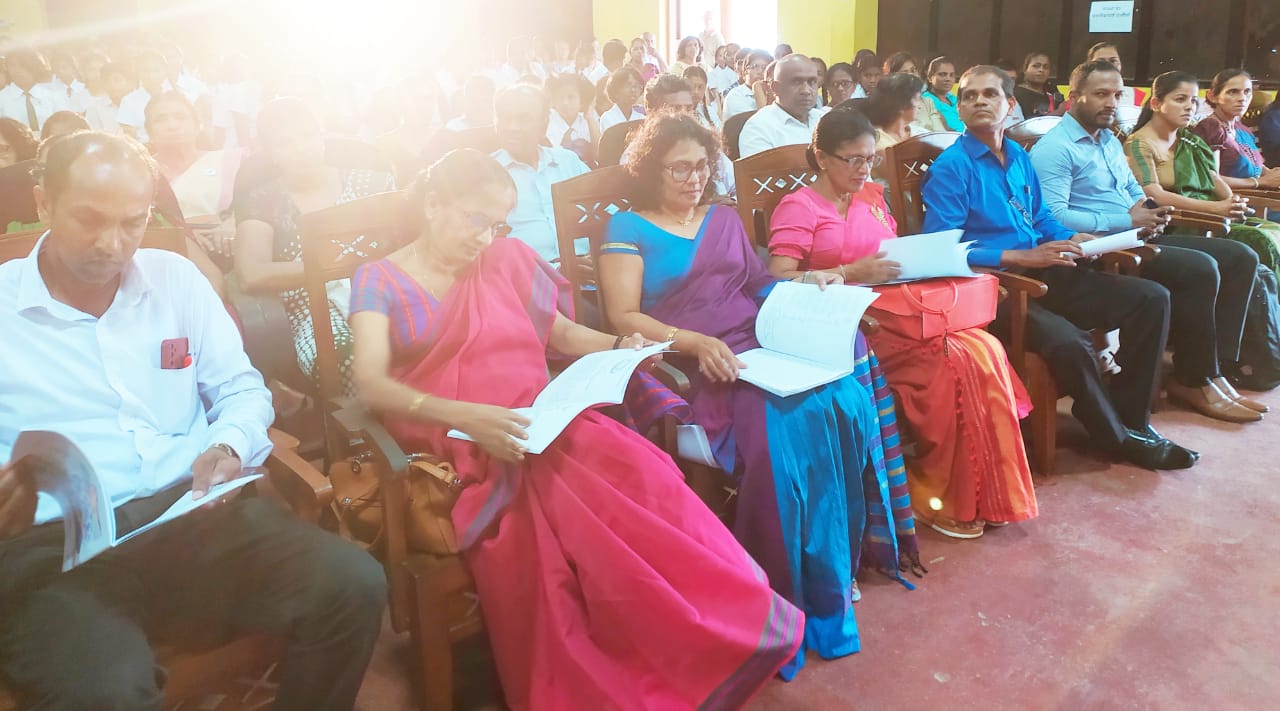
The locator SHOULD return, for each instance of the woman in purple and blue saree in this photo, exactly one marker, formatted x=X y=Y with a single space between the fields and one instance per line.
x=604 y=581
x=820 y=474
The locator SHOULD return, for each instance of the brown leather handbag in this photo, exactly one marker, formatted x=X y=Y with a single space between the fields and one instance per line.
x=357 y=505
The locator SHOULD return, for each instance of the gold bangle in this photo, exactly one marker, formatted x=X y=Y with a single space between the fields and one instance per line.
x=671 y=334
x=417 y=402
x=843 y=276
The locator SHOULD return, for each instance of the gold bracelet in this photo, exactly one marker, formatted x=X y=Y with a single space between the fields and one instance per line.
x=1256 y=183
x=417 y=402
x=843 y=276
x=671 y=334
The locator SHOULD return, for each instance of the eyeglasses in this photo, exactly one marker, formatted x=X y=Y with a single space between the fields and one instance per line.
x=478 y=221
x=842 y=84
x=757 y=67
x=684 y=170
x=858 y=162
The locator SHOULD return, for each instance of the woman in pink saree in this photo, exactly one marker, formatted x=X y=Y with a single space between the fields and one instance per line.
x=604 y=581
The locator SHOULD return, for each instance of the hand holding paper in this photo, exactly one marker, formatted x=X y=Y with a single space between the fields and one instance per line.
x=1111 y=243
x=933 y=254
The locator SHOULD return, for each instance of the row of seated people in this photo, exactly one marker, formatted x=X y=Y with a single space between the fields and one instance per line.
x=654 y=277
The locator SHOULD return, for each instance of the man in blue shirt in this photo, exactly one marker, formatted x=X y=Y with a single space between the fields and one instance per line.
x=1088 y=185
x=987 y=187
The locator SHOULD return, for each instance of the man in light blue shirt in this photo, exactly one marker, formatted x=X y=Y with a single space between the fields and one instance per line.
x=1088 y=185
x=985 y=185
x=522 y=112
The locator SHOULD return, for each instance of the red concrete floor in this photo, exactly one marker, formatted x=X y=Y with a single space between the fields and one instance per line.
x=1132 y=590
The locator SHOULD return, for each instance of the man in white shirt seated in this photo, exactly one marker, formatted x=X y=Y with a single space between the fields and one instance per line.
x=792 y=116
x=742 y=98
x=522 y=113
x=152 y=74
x=130 y=355
x=23 y=99
x=66 y=84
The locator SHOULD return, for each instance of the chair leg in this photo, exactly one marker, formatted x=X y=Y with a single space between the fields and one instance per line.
x=1044 y=422
x=433 y=651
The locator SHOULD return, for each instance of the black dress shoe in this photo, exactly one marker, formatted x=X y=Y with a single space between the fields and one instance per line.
x=1147 y=449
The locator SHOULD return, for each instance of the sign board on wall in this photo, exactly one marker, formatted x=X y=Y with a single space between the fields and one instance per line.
x=1111 y=16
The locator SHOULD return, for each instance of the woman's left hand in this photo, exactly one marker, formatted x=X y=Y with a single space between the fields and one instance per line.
x=636 y=342
x=822 y=279
x=1270 y=178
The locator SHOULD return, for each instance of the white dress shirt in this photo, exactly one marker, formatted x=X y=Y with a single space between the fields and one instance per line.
x=99 y=381
x=13 y=104
x=614 y=116
x=101 y=114
x=75 y=96
x=133 y=111
x=595 y=72
x=533 y=221
x=739 y=100
x=772 y=127
x=557 y=127
x=721 y=78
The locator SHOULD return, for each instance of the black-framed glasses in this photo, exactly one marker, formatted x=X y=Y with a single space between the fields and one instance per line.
x=683 y=170
x=479 y=221
x=842 y=84
x=858 y=162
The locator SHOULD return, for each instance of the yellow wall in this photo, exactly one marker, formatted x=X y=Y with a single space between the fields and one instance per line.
x=831 y=29
x=28 y=18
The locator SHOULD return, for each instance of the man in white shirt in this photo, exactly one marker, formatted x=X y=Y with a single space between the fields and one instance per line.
x=520 y=63
x=130 y=355
x=791 y=118
x=742 y=98
x=153 y=81
x=66 y=83
x=23 y=99
x=522 y=112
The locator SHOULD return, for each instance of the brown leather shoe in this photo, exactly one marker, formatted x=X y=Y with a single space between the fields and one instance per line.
x=1211 y=402
x=1225 y=386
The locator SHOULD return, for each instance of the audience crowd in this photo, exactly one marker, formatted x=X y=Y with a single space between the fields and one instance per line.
x=604 y=581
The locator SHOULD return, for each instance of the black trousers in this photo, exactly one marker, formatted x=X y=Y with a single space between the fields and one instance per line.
x=1082 y=299
x=78 y=640
x=1209 y=282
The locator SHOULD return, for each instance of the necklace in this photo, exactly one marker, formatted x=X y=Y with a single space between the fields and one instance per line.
x=423 y=273
x=685 y=222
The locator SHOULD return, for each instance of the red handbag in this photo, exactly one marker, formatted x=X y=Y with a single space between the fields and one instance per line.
x=927 y=309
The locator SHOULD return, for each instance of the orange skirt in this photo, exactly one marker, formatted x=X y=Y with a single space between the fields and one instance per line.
x=961 y=403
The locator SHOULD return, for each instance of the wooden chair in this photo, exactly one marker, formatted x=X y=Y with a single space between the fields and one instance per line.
x=1026 y=133
x=614 y=142
x=204 y=659
x=582 y=207
x=905 y=166
x=732 y=131
x=763 y=180
x=1126 y=120
x=433 y=597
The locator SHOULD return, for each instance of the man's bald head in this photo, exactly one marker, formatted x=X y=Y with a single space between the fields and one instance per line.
x=521 y=115
x=87 y=153
x=795 y=84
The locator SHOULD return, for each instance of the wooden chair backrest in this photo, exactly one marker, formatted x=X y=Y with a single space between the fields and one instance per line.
x=16 y=245
x=905 y=165
x=1126 y=119
x=732 y=131
x=335 y=241
x=614 y=142
x=763 y=180
x=583 y=207
x=1026 y=133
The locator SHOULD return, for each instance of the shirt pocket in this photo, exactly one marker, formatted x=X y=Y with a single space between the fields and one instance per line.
x=171 y=399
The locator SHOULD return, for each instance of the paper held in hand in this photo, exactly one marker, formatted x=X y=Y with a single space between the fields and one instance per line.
x=929 y=255
x=1111 y=243
x=806 y=336
x=60 y=469
x=594 y=379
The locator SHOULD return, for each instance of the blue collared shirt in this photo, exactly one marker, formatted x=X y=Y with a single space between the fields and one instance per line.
x=533 y=220
x=1086 y=180
x=999 y=207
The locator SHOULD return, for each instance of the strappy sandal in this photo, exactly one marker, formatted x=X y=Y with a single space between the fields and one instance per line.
x=953 y=529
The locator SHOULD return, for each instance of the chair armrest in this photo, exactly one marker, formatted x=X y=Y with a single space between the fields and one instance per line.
x=1018 y=283
x=1201 y=222
x=672 y=377
x=869 y=324
x=1146 y=252
x=1121 y=262
x=1268 y=199
x=303 y=487
x=267 y=335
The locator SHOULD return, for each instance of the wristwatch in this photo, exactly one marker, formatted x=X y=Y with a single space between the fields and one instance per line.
x=228 y=449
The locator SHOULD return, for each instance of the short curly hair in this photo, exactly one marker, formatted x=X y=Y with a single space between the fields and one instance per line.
x=19 y=138
x=659 y=133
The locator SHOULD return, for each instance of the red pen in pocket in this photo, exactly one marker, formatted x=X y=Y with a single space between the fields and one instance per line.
x=174 y=354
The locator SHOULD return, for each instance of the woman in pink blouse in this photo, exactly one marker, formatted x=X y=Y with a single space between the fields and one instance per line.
x=957 y=393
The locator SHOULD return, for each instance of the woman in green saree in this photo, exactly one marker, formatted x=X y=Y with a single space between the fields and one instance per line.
x=1176 y=167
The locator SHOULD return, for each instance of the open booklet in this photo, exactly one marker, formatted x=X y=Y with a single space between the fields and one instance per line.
x=806 y=336
x=929 y=255
x=594 y=379
x=59 y=469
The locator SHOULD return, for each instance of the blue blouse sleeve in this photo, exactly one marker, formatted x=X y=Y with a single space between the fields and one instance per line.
x=370 y=290
x=621 y=236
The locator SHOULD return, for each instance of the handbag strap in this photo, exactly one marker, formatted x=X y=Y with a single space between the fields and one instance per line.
x=918 y=302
